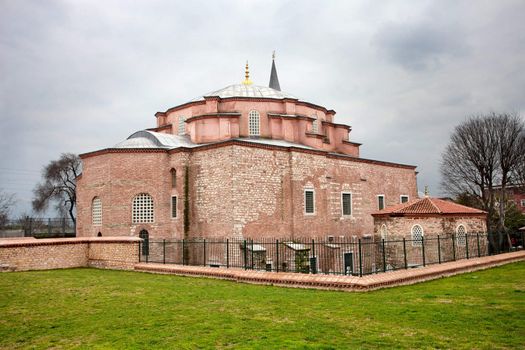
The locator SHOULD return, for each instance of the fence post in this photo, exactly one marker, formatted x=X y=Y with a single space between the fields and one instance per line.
x=360 y=261
x=49 y=226
x=384 y=255
x=183 y=251
x=423 y=249
x=204 y=248
x=277 y=256
x=453 y=248
x=245 y=255
x=439 y=250
x=31 y=227
x=227 y=253
x=466 y=244
x=405 y=252
x=64 y=226
x=479 y=251
x=163 y=251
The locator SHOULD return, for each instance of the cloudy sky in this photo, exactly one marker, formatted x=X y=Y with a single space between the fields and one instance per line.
x=76 y=76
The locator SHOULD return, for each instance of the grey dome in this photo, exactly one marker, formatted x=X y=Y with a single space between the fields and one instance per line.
x=242 y=90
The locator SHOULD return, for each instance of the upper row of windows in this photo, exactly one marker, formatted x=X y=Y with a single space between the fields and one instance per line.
x=254 y=124
x=346 y=202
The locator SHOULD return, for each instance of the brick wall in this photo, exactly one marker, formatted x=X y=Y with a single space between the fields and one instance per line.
x=238 y=191
x=45 y=254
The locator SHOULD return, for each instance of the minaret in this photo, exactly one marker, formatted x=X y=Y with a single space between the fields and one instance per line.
x=274 y=80
x=247 y=80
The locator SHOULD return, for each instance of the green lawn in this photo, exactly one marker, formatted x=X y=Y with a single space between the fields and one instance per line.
x=89 y=308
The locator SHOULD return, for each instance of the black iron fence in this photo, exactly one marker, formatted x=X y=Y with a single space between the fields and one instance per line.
x=342 y=256
x=39 y=228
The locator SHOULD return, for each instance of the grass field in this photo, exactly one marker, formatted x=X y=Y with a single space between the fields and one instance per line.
x=89 y=308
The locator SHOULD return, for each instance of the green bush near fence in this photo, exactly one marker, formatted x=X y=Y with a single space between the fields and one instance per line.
x=89 y=308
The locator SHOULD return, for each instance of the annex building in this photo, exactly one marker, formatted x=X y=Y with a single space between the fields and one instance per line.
x=242 y=161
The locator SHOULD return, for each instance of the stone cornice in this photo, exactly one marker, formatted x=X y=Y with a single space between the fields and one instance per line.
x=238 y=98
x=336 y=125
x=252 y=145
x=348 y=142
x=162 y=127
x=213 y=115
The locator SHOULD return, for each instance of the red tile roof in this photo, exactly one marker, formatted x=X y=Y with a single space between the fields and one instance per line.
x=428 y=205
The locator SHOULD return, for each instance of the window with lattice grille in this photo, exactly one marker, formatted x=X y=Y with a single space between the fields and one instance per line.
x=254 y=123
x=461 y=235
x=182 y=125
x=96 y=211
x=346 y=201
x=142 y=211
x=315 y=125
x=417 y=235
x=309 y=201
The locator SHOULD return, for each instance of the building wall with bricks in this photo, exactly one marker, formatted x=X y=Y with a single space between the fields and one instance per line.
x=238 y=190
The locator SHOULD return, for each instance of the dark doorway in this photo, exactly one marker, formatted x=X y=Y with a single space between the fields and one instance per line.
x=145 y=242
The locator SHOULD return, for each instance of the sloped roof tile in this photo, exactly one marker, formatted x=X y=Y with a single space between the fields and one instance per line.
x=428 y=205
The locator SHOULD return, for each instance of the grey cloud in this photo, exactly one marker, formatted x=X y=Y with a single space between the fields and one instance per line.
x=79 y=76
x=420 y=46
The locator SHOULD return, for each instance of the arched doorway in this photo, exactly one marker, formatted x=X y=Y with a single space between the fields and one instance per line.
x=145 y=241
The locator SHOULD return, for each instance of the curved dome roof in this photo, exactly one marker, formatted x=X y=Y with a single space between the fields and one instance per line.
x=151 y=139
x=242 y=90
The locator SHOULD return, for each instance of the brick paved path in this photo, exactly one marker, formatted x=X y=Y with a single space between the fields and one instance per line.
x=336 y=282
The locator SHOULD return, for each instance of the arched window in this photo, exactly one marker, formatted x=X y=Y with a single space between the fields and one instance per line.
x=417 y=235
x=383 y=231
x=142 y=211
x=461 y=235
x=173 y=174
x=315 y=125
x=182 y=125
x=96 y=211
x=253 y=123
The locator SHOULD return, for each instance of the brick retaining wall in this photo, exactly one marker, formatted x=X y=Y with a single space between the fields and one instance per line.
x=45 y=254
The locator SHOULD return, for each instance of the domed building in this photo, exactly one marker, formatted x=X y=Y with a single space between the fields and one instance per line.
x=243 y=161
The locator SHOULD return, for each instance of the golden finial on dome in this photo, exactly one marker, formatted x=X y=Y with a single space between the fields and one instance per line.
x=247 y=81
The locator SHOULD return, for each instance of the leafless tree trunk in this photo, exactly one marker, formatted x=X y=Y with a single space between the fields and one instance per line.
x=7 y=200
x=511 y=155
x=59 y=185
x=483 y=156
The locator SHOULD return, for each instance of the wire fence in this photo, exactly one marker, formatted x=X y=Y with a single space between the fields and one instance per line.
x=341 y=256
x=39 y=228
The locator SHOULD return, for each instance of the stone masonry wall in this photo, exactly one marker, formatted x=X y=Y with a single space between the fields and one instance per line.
x=45 y=254
x=239 y=191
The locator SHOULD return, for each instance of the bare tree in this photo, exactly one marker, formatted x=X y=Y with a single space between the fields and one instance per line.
x=469 y=163
x=483 y=157
x=59 y=185
x=511 y=156
x=7 y=200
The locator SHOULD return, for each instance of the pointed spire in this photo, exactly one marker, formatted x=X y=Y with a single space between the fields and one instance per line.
x=274 y=80
x=247 y=80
